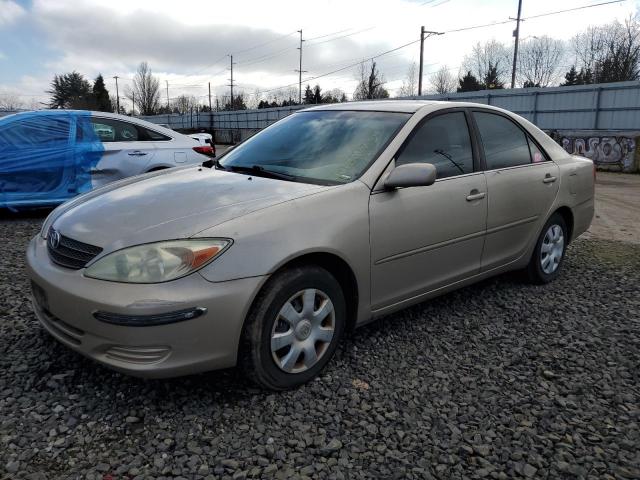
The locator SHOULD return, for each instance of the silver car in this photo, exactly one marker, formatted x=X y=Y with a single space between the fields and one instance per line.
x=326 y=220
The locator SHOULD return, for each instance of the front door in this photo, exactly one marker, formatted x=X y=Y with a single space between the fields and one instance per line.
x=522 y=184
x=423 y=238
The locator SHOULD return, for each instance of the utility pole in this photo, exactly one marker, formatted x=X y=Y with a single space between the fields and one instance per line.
x=231 y=84
x=428 y=34
x=168 y=109
x=210 y=111
x=117 y=95
x=300 y=71
x=516 y=33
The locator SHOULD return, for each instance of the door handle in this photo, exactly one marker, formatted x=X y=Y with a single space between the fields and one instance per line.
x=475 y=195
x=137 y=153
x=549 y=179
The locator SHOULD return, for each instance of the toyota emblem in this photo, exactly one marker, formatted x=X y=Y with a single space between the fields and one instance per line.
x=54 y=239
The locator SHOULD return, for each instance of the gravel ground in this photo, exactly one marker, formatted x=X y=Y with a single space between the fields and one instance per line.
x=498 y=380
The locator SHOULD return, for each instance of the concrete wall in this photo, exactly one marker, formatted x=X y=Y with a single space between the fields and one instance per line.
x=612 y=151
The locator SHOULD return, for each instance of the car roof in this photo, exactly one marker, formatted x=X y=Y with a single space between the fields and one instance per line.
x=97 y=114
x=405 y=106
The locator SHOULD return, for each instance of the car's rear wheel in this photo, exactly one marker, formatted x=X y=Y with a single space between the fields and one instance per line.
x=294 y=328
x=546 y=261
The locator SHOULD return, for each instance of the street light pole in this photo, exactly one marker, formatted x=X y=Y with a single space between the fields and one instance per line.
x=117 y=95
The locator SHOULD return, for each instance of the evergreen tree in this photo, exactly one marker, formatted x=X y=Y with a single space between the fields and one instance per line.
x=585 y=77
x=491 y=79
x=317 y=94
x=101 y=95
x=308 y=97
x=70 y=90
x=571 y=77
x=469 y=83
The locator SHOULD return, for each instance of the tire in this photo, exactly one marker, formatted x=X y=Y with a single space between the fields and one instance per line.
x=276 y=352
x=544 y=267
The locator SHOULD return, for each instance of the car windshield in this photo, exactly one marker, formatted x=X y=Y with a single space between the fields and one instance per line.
x=327 y=147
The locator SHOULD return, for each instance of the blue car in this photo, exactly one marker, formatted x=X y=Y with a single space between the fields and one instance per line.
x=50 y=156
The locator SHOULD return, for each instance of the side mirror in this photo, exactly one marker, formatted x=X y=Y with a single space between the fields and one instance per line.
x=411 y=175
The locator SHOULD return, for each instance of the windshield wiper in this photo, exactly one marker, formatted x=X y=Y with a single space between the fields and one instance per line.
x=448 y=157
x=259 y=170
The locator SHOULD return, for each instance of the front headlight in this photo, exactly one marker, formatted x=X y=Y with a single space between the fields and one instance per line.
x=157 y=262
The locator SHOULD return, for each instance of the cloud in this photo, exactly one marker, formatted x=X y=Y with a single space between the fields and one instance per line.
x=187 y=42
x=10 y=11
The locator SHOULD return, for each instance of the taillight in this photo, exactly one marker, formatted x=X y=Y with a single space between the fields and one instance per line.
x=207 y=150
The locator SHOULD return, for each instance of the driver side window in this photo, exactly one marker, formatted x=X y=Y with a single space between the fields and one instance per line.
x=442 y=141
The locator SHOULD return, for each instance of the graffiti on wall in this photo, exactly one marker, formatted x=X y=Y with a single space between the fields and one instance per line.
x=616 y=153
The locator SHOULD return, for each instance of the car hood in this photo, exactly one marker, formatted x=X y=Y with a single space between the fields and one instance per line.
x=177 y=204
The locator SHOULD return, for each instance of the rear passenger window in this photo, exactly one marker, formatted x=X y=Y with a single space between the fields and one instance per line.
x=153 y=135
x=536 y=155
x=111 y=130
x=505 y=144
x=442 y=141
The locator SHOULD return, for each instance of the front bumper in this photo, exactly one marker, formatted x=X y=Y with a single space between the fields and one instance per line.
x=67 y=301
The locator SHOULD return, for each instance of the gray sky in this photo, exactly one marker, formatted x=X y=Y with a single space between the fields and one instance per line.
x=186 y=42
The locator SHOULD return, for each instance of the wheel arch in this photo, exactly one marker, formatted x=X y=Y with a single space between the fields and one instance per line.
x=338 y=267
x=567 y=215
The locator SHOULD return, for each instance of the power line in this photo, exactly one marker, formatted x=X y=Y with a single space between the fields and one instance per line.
x=265 y=43
x=573 y=9
x=344 y=36
x=329 y=34
x=345 y=68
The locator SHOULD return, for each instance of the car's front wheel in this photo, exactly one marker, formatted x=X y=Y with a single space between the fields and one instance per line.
x=294 y=328
x=548 y=255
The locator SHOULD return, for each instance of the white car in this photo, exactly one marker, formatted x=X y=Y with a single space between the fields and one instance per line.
x=47 y=157
x=202 y=137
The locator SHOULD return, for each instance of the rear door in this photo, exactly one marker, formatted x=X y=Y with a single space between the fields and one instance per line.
x=36 y=156
x=128 y=150
x=522 y=184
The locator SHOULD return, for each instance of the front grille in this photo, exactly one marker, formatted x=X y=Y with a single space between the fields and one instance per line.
x=68 y=252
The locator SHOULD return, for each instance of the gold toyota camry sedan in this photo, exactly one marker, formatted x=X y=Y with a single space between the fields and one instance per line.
x=327 y=219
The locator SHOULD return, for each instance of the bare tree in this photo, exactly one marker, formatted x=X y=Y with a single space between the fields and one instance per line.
x=370 y=83
x=538 y=61
x=254 y=99
x=184 y=103
x=588 y=47
x=10 y=102
x=409 y=86
x=609 y=53
x=485 y=57
x=443 y=81
x=146 y=90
